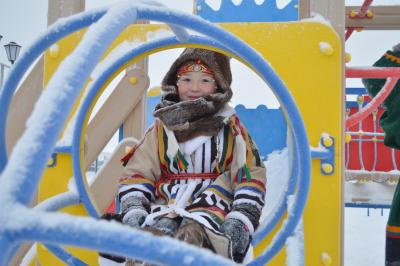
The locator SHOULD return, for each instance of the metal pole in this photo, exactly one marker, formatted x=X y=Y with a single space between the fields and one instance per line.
x=2 y=67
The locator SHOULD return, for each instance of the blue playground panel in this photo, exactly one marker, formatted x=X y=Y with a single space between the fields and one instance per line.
x=355 y=91
x=267 y=127
x=248 y=11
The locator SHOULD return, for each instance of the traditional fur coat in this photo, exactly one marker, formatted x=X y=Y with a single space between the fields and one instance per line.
x=202 y=179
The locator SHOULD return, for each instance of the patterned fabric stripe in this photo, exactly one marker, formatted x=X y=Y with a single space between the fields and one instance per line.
x=253 y=183
x=228 y=148
x=141 y=187
x=393 y=228
x=392 y=234
x=221 y=192
x=251 y=193
x=187 y=176
x=172 y=199
x=136 y=179
x=255 y=151
x=162 y=147
x=254 y=203
x=254 y=198
x=392 y=57
x=216 y=214
x=211 y=223
x=248 y=188
x=160 y=191
x=225 y=145
x=182 y=160
x=213 y=149
x=200 y=189
x=133 y=191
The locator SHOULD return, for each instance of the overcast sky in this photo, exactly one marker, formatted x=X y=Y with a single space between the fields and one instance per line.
x=23 y=20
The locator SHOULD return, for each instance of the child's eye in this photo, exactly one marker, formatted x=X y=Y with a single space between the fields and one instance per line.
x=185 y=79
x=207 y=80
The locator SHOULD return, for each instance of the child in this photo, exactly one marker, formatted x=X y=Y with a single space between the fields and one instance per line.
x=390 y=123
x=196 y=175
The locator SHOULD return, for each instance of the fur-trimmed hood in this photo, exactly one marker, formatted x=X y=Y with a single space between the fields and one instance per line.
x=217 y=62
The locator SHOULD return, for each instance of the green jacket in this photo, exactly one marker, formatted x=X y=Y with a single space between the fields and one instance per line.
x=390 y=119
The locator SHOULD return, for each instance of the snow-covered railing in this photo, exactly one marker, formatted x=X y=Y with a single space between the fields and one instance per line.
x=371 y=171
x=391 y=73
x=22 y=172
x=362 y=174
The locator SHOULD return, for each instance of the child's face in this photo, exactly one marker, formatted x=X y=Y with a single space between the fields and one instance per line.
x=193 y=85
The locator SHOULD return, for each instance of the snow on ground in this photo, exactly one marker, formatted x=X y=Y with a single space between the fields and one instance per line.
x=364 y=237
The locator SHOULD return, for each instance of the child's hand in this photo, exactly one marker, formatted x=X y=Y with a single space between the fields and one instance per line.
x=166 y=226
x=134 y=217
x=239 y=235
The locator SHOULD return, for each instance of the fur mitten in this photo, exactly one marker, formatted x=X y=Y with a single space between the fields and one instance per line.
x=134 y=210
x=166 y=225
x=134 y=218
x=239 y=236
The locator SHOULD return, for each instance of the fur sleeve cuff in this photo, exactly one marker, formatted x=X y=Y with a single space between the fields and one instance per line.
x=243 y=218
x=134 y=213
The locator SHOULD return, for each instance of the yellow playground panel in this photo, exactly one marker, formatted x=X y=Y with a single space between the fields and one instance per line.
x=308 y=58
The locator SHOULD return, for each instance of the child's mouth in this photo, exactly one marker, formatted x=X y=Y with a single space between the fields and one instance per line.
x=194 y=97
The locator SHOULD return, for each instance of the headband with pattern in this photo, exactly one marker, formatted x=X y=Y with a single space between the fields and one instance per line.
x=196 y=66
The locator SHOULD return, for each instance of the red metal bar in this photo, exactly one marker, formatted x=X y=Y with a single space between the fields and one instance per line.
x=375 y=102
x=349 y=31
x=364 y=7
x=372 y=72
x=362 y=12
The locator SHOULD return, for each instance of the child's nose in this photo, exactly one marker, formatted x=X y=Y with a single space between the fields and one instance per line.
x=195 y=86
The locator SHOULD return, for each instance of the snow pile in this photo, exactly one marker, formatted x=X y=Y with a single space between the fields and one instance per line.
x=278 y=174
x=295 y=243
x=315 y=17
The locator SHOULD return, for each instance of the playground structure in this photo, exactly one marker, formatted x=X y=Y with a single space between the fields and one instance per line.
x=321 y=61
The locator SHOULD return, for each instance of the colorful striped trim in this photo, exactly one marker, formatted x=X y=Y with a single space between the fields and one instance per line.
x=135 y=179
x=254 y=189
x=393 y=228
x=181 y=161
x=392 y=58
x=244 y=171
x=146 y=185
x=393 y=231
x=160 y=191
x=220 y=191
x=392 y=235
x=187 y=176
x=254 y=183
x=162 y=147
x=215 y=213
x=227 y=151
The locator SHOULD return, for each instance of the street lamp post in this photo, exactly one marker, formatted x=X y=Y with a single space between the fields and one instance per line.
x=12 y=50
